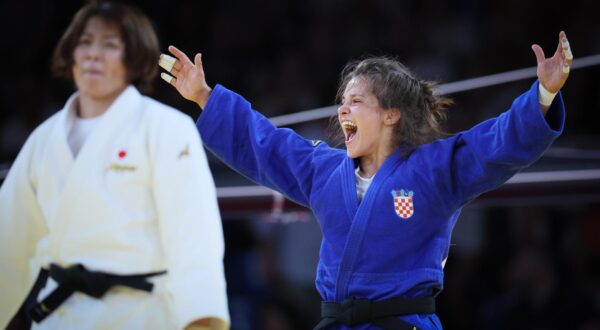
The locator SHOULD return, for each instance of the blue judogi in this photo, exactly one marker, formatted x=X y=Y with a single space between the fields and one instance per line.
x=370 y=250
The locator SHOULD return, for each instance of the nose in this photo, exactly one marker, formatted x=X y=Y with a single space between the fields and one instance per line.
x=343 y=109
x=93 y=52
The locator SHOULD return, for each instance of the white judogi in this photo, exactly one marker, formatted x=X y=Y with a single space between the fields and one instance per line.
x=138 y=198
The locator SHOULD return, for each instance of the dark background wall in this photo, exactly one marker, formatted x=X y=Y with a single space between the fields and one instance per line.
x=528 y=260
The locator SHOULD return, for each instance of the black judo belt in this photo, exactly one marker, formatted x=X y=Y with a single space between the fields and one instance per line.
x=94 y=284
x=382 y=314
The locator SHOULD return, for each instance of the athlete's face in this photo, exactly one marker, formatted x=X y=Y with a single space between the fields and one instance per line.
x=99 y=70
x=362 y=120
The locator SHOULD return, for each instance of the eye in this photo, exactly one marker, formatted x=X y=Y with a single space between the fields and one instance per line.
x=111 y=44
x=354 y=101
x=84 y=41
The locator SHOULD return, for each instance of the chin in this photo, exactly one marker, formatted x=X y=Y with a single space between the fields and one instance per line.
x=97 y=91
x=352 y=154
x=95 y=94
x=90 y=88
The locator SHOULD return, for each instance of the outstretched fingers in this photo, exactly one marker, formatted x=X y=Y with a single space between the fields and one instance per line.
x=566 y=47
x=186 y=76
x=539 y=53
x=198 y=64
x=198 y=60
x=168 y=78
x=566 y=53
x=173 y=65
x=167 y=62
x=183 y=59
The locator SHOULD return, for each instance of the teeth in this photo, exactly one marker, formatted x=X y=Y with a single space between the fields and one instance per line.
x=349 y=125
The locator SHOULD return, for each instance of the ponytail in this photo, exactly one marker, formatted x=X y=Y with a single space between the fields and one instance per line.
x=436 y=109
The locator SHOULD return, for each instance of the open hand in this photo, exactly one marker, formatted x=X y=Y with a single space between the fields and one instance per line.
x=186 y=76
x=553 y=72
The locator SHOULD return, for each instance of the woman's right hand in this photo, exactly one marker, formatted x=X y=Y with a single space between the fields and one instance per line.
x=187 y=77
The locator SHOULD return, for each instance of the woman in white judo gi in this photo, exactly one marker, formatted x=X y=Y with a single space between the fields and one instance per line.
x=388 y=203
x=112 y=196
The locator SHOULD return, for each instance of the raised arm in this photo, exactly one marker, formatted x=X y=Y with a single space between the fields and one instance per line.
x=487 y=155
x=244 y=139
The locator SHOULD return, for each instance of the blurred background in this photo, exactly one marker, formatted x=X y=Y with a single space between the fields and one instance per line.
x=526 y=256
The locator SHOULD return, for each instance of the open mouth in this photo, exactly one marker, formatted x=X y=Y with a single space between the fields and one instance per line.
x=350 y=130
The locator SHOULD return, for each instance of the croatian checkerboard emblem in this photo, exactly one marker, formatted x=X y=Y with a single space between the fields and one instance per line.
x=403 y=203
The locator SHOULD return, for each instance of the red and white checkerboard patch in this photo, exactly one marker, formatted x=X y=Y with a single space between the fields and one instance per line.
x=403 y=203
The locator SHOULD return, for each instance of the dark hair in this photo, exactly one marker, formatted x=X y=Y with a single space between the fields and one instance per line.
x=141 y=43
x=421 y=112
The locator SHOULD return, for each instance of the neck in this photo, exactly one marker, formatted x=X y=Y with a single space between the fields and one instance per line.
x=89 y=106
x=370 y=164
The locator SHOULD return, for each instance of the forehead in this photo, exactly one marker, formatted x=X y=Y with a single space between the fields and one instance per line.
x=97 y=25
x=358 y=85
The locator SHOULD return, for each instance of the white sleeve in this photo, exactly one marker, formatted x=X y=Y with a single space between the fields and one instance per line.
x=21 y=226
x=190 y=223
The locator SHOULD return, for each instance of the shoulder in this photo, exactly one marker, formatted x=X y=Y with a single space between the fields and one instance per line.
x=38 y=141
x=168 y=129
x=437 y=154
x=326 y=158
x=164 y=117
x=42 y=131
x=324 y=152
x=159 y=111
x=437 y=147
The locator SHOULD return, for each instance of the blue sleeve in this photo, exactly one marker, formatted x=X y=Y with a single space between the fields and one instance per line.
x=488 y=154
x=249 y=143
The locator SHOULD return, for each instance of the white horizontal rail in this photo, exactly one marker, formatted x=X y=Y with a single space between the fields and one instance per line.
x=244 y=191
x=449 y=88
x=555 y=176
x=519 y=178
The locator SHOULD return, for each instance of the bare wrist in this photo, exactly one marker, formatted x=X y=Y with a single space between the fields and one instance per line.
x=202 y=99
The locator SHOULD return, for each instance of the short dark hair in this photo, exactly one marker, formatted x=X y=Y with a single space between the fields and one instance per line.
x=141 y=43
x=396 y=87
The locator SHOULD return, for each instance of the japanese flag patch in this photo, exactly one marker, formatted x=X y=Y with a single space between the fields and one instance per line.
x=403 y=203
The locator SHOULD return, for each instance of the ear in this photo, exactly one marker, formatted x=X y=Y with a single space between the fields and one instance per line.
x=391 y=116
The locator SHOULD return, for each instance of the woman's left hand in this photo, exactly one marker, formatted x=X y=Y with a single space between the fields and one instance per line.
x=553 y=72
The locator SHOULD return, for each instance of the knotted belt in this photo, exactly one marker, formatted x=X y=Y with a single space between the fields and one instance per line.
x=382 y=314
x=94 y=284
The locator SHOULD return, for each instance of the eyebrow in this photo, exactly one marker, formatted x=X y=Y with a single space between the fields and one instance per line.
x=352 y=95
x=104 y=36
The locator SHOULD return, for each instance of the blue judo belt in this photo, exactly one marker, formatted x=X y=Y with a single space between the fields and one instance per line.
x=382 y=314
x=94 y=284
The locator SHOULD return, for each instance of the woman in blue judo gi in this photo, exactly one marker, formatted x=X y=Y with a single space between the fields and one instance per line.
x=387 y=204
